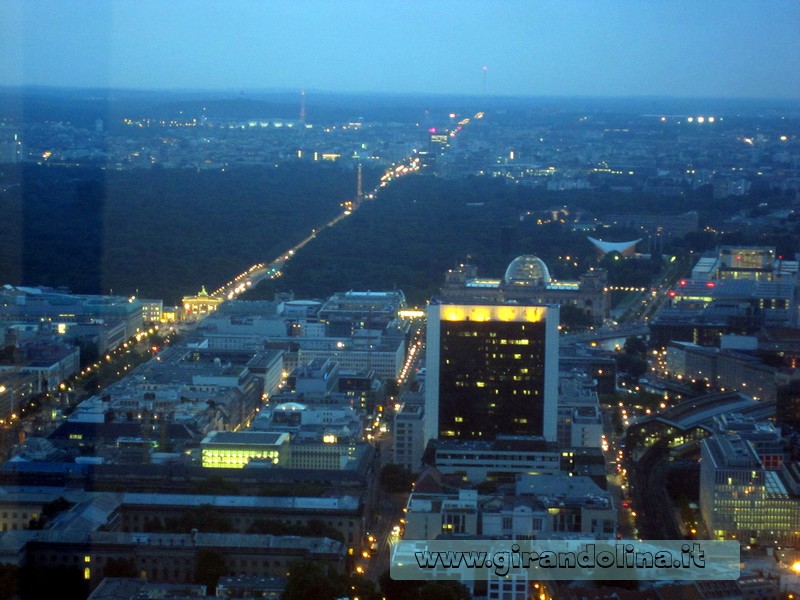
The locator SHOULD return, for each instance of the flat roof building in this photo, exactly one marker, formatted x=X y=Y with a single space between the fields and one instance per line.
x=408 y=442
x=492 y=369
x=29 y=304
x=166 y=557
x=346 y=312
x=542 y=507
x=228 y=449
x=740 y=499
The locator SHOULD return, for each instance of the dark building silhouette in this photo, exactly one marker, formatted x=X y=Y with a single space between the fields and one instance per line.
x=787 y=407
x=491 y=370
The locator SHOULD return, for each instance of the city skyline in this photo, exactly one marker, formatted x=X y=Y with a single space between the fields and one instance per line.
x=269 y=418
x=681 y=49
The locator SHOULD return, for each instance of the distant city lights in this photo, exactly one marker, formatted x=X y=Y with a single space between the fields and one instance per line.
x=699 y=119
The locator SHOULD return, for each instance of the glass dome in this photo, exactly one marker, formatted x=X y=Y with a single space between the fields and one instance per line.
x=527 y=270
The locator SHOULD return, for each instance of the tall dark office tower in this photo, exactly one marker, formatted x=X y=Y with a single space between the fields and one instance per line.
x=787 y=404
x=491 y=370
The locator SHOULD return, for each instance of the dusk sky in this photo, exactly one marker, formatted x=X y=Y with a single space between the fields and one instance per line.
x=684 y=48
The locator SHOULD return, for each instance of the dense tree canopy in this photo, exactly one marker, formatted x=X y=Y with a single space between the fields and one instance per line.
x=163 y=232
x=420 y=227
x=308 y=579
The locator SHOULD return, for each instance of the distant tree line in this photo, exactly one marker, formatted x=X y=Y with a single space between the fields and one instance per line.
x=163 y=232
x=166 y=232
x=421 y=226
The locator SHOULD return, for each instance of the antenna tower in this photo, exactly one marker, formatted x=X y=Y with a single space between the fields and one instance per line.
x=359 y=186
x=302 y=106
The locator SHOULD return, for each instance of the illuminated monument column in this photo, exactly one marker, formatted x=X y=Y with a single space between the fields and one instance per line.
x=492 y=369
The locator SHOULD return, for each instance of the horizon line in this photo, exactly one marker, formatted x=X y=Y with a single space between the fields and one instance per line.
x=471 y=95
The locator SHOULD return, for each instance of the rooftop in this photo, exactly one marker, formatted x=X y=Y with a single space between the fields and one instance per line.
x=242 y=438
x=314 y=545
x=335 y=503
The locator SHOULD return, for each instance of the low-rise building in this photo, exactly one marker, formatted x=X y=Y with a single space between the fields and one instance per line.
x=152 y=310
x=308 y=421
x=227 y=449
x=167 y=557
x=430 y=515
x=373 y=352
x=580 y=423
x=15 y=388
x=253 y=449
x=542 y=507
x=554 y=506
x=114 y=588
x=741 y=499
x=50 y=362
x=722 y=369
x=764 y=302
x=141 y=512
x=202 y=389
x=408 y=443
x=501 y=460
x=266 y=588
x=756 y=263
x=346 y=312
x=268 y=365
x=42 y=304
x=233 y=328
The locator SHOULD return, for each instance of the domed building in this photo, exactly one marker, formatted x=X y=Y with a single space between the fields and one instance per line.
x=527 y=280
x=527 y=270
